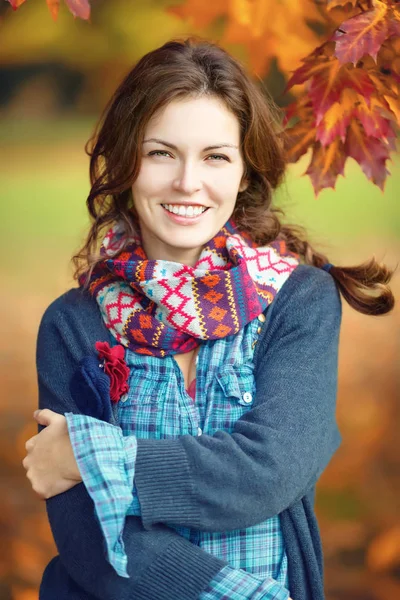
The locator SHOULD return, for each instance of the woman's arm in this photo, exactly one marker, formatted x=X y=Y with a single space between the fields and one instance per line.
x=160 y=562
x=279 y=448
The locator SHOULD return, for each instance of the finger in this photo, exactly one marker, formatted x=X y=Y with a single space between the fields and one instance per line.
x=38 y=491
x=25 y=463
x=30 y=443
x=45 y=416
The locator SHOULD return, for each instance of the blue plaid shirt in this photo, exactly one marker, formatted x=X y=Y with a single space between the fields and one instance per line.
x=158 y=406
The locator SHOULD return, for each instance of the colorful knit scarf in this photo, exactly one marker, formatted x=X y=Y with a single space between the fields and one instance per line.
x=159 y=308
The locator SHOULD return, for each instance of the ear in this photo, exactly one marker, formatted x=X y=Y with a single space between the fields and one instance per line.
x=244 y=185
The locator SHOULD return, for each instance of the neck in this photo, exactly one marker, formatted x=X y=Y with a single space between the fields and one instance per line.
x=157 y=250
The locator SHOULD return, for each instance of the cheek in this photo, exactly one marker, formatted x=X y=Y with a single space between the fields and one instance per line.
x=226 y=187
x=148 y=185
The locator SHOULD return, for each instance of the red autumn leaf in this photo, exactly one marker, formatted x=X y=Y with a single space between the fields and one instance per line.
x=375 y=117
x=54 y=7
x=346 y=111
x=326 y=90
x=16 y=3
x=326 y=79
x=336 y=120
x=371 y=153
x=365 y=33
x=326 y=164
x=301 y=136
x=79 y=8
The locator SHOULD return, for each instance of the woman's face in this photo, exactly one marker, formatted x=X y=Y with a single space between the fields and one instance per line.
x=190 y=175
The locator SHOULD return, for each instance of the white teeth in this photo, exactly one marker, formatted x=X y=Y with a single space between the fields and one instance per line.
x=185 y=211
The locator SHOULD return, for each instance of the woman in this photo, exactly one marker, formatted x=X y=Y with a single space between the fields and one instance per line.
x=187 y=387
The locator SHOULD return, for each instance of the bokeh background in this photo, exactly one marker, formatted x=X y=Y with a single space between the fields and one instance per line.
x=54 y=81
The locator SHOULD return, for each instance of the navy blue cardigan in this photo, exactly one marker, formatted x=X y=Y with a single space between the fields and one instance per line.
x=268 y=466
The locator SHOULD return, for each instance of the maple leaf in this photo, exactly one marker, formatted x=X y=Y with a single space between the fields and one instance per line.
x=375 y=115
x=365 y=33
x=298 y=138
x=336 y=119
x=326 y=79
x=386 y=72
x=326 y=164
x=355 y=110
x=385 y=75
x=370 y=152
x=16 y=3
x=394 y=106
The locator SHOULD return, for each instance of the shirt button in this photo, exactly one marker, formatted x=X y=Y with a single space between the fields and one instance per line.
x=261 y=318
x=247 y=397
x=199 y=431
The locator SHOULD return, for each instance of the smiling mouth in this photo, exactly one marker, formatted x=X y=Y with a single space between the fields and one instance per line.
x=181 y=210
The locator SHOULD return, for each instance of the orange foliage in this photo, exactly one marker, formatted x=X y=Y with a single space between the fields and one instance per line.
x=262 y=26
x=384 y=551
x=350 y=95
x=79 y=8
x=349 y=105
x=24 y=593
x=54 y=7
x=351 y=86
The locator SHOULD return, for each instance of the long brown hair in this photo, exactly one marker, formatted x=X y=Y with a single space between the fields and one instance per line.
x=194 y=68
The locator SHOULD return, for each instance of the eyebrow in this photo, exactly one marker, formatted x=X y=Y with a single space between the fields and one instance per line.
x=169 y=145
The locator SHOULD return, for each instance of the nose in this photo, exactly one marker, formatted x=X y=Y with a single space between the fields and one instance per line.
x=187 y=180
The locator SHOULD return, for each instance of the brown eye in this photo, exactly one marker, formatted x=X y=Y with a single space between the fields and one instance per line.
x=218 y=157
x=159 y=153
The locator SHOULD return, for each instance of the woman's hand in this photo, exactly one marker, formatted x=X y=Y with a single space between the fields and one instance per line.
x=50 y=462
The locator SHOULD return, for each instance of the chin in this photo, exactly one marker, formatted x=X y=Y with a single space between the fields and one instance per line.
x=187 y=239
x=189 y=245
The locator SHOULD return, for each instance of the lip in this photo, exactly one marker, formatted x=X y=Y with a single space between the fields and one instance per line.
x=186 y=204
x=183 y=220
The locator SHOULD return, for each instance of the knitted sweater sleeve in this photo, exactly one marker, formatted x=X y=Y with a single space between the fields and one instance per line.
x=161 y=563
x=280 y=447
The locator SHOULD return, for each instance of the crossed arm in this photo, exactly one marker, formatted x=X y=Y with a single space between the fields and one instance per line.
x=281 y=446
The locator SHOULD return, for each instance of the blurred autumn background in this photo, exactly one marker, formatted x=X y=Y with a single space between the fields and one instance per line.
x=342 y=107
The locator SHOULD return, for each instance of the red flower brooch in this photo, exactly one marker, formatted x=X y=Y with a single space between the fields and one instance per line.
x=115 y=367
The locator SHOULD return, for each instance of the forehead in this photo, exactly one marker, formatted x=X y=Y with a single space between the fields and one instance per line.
x=195 y=120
